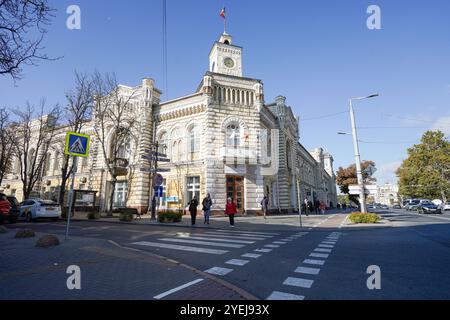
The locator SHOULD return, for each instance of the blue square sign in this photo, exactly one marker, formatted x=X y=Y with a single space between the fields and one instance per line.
x=77 y=144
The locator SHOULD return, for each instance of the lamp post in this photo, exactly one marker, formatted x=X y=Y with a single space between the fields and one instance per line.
x=359 y=175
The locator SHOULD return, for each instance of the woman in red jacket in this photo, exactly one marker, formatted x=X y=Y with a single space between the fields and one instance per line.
x=230 y=211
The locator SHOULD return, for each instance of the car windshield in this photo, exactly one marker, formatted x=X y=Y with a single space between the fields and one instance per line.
x=415 y=202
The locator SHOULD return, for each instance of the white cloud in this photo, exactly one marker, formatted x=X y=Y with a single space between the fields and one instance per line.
x=386 y=172
x=442 y=124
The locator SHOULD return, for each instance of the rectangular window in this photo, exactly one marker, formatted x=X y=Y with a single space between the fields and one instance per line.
x=193 y=188
x=120 y=194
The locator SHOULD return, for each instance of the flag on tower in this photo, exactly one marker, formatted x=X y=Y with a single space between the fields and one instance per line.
x=222 y=13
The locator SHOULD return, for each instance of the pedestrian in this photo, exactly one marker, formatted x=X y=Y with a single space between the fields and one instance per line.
x=310 y=206
x=338 y=206
x=230 y=211
x=305 y=206
x=207 y=204
x=316 y=206
x=344 y=207
x=193 y=209
x=265 y=206
x=322 y=207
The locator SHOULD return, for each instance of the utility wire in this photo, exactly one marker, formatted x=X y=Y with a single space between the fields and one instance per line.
x=419 y=120
x=165 y=63
x=324 y=116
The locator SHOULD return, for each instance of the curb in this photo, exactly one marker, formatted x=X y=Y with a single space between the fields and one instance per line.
x=246 y=295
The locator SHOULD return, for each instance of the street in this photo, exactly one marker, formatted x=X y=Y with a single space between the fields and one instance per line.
x=327 y=259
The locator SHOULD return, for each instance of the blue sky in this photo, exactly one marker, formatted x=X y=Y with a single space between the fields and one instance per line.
x=316 y=53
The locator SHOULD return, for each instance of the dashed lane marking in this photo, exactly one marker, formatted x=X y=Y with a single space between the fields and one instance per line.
x=305 y=270
x=217 y=239
x=319 y=255
x=323 y=250
x=219 y=271
x=314 y=262
x=263 y=250
x=277 y=295
x=298 y=282
x=251 y=255
x=237 y=262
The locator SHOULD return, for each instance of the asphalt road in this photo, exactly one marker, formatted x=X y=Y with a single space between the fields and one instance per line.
x=326 y=259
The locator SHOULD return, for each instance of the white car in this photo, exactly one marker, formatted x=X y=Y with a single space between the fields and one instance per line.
x=447 y=206
x=33 y=209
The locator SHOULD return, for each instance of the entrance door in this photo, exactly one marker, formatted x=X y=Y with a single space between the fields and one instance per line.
x=235 y=191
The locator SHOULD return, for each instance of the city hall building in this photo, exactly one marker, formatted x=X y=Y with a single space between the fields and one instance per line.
x=223 y=139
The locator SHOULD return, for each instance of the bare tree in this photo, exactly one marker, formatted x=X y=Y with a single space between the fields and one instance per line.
x=114 y=124
x=22 y=30
x=77 y=113
x=33 y=135
x=6 y=144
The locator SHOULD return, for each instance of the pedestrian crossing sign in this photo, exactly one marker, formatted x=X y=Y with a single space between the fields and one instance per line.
x=77 y=144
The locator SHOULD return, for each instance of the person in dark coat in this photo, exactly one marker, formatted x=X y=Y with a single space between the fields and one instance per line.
x=207 y=204
x=310 y=206
x=316 y=206
x=193 y=209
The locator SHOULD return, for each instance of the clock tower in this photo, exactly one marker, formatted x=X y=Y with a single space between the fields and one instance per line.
x=226 y=58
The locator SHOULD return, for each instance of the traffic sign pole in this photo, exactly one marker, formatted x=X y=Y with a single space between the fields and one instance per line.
x=71 y=195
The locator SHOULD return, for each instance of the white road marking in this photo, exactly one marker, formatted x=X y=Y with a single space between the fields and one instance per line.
x=165 y=294
x=326 y=246
x=314 y=262
x=279 y=242
x=344 y=222
x=181 y=248
x=322 y=250
x=237 y=262
x=204 y=243
x=242 y=234
x=277 y=295
x=266 y=233
x=329 y=242
x=298 y=282
x=251 y=255
x=319 y=255
x=305 y=270
x=219 y=271
x=263 y=250
x=231 y=236
x=217 y=239
x=272 y=246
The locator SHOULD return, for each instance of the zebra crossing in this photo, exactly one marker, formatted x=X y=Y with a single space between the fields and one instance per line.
x=215 y=242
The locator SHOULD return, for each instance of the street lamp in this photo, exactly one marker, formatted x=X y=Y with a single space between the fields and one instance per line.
x=362 y=195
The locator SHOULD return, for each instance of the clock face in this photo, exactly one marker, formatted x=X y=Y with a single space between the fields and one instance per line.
x=229 y=63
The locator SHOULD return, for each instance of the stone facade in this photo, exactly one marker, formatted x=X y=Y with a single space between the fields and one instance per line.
x=224 y=139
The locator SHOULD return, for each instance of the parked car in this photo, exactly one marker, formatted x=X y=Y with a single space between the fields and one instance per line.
x=5 y=208
x=412 y=205
x=396 y=206
x=447 y=206
x=15 y=209
x=428 y=207
x=33 y=209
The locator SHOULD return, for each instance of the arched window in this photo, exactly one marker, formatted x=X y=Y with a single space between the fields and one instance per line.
x=233 y=135
x=163 y=143
x=124 y=150
x=47 y=164
x=193 y=140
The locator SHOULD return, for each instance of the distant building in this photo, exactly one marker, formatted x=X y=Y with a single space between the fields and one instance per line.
x=387 y=194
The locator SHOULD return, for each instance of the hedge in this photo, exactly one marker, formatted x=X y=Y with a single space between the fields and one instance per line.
x=359 y=217
x=170 y=216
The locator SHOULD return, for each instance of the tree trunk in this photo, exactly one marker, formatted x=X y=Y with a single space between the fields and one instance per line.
x=111 y=198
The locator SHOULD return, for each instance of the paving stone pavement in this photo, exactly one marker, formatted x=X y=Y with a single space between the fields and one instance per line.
x=107 y=272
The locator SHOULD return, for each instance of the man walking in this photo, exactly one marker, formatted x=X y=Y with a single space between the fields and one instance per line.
x=305 y=207
x=207 y=204
x=193 y=209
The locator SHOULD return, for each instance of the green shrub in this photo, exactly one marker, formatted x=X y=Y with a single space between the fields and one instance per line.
x=93 y=215
x=359 y=217
x=170 y=216
x=126 y=217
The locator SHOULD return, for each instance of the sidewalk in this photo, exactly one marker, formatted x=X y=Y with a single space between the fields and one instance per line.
x=108 y=271
x=221 y=222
